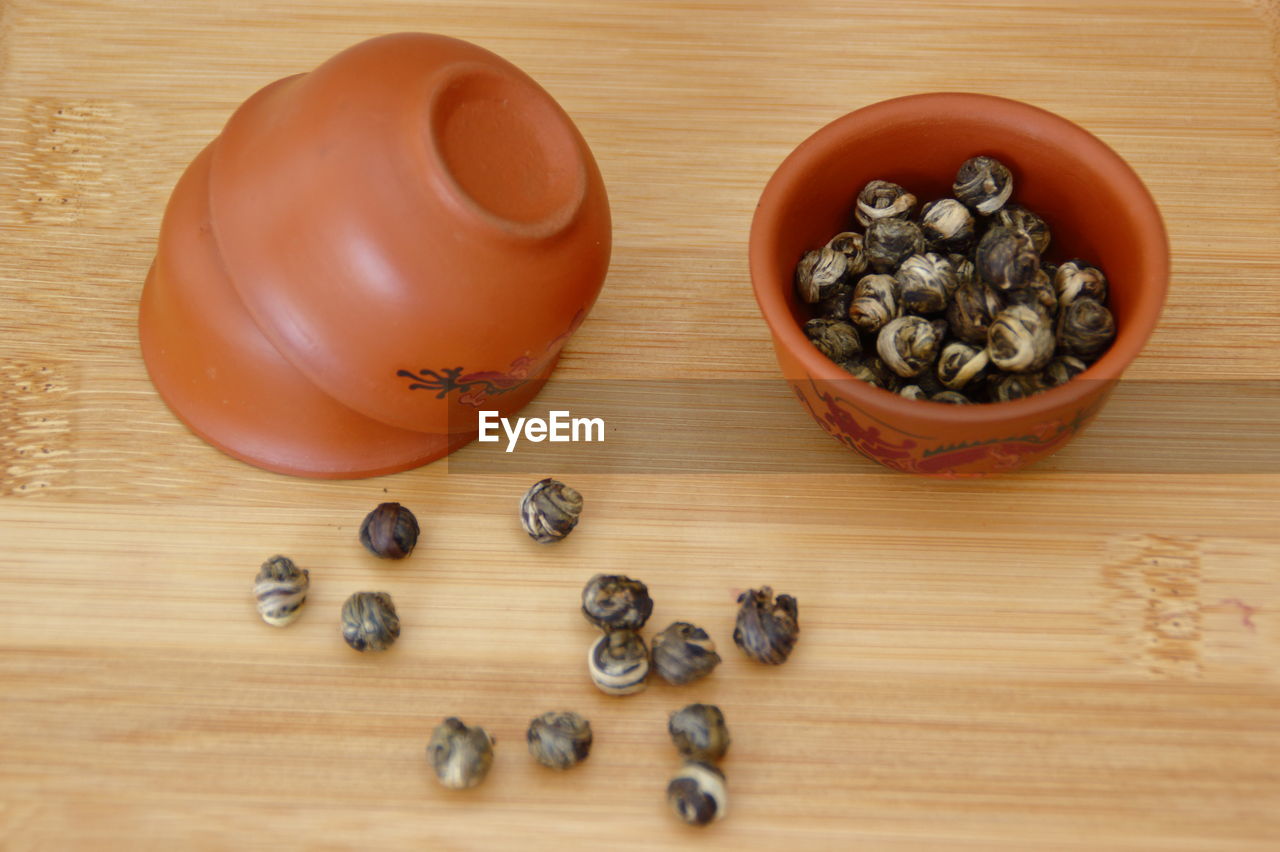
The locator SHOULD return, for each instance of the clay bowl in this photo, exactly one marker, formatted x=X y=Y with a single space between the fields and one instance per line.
x=1096 y=206
x=371 y=252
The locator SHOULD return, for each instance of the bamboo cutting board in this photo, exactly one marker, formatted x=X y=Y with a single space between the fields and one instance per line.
x=1081 y=656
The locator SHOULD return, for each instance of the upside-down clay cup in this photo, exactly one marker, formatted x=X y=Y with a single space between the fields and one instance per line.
x=1095 y=205
x=370 y=253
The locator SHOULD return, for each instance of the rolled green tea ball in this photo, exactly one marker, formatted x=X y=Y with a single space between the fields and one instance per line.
x=1077 y=279
x=1010 y=386
x=1006 y=259
x=618 y=663
x=766 y=629
x=699 y=732
x=851 y=245
x=1038 y=293
x=959 y=364
x=818 y=272
x=925 y=284
x=369 y=621
x=1020 y=339
x=550 y=510
x=836 y=338
x=947 y=225
x=891 y=241
x=461 y=756
x=684 y=653
x=1063 y=369
x=697 y=793
x=1085 y=328
x=1019 y=218
x=390 y=531
x=281 y=589
x=616 y=602
x=973 y=307
x=983 y=184
x=875 y=302
x=559 y=739
x=908 y=345
x=881 y=199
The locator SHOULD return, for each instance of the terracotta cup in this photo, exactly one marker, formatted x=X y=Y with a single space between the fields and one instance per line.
x=1096 y=206
x=370 y=253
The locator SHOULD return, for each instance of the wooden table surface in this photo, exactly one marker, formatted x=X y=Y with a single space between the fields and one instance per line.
x=1085 y=655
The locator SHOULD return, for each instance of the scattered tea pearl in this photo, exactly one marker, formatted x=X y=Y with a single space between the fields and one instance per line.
x=697 y=794
x=460 y=756
x=281 y=590
x=559 y=740
x=369 y=621
x=390 y=531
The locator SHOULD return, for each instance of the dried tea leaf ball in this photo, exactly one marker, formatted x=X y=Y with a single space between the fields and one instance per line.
x=960 y=363
x=369 y=621
x=766 y=630
x=925 y=283
x=460 y=756
x=818 y=272
x=1020 y=339
x=1038 y=293
x=281 y=590
x=836 y=304
x=616 y=602
x=951 y=398
x=618 y=663
x=891 y=241
x=1085 y=328
x=837 y=339
x=1076 y=279
x=699 y=732
x=390 y=531
x=875 y=302
x=913 y=392
x=1006 y=259
x=683 y=653
x=559 y=740
x=850 y=244
x=939 y=326
x=929 y=383
x=964 y=269
x=1010 y=386
x=973 y=307
x=870 y=370
x=1018 y=218
x=908 y=345
x=697 y=793
x=550 y=510
x=947 y=225
x=983 y=184
x=1063 y=369
x=880 y=199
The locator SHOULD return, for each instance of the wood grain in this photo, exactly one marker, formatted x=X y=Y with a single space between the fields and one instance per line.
x=1081 y=656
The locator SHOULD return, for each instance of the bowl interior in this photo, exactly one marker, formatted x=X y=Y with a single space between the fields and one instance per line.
x=1096 y=207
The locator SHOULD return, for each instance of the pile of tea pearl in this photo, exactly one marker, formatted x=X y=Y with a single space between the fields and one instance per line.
x=953 y=302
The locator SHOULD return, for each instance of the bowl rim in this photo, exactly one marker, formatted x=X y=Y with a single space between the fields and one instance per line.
x=788 y=334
